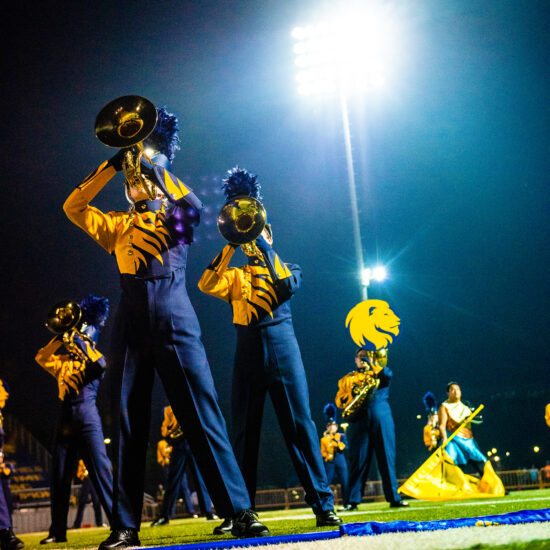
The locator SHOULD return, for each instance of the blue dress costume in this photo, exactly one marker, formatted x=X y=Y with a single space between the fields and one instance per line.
x=156 y=328
x=267 y=359
x=372 y=431
x=79 y=431
x=462 y=449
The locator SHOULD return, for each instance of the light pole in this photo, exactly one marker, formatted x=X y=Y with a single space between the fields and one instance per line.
x=342 y=55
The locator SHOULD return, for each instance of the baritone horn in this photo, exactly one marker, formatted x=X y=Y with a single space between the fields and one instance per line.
x=124 y=123
x=241 y=221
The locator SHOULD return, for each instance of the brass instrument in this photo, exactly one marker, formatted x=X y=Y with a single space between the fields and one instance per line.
x=176 y=432
x=125 y=122
x=63 y=319
x=370 y=385
x=241 y=221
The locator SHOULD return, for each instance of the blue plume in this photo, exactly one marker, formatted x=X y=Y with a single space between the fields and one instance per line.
x=241 y=182
x=164 y=138
x=430 y=402
x=329 y=410
x=95 y=310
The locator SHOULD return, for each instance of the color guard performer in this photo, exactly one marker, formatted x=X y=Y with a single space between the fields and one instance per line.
x=462 y=449
x=156 y=327
x=78 y=370
x=267 y=358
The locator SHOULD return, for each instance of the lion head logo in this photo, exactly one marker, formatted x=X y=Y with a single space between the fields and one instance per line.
x=373 y=325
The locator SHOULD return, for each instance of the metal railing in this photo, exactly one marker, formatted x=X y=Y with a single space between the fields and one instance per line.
x=35 y=516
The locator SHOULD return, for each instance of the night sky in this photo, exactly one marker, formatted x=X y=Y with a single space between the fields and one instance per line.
x=452 y=163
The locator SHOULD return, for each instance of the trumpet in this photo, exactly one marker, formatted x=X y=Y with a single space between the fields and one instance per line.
x=241 y=221
x=63 y=320
x=125 y=122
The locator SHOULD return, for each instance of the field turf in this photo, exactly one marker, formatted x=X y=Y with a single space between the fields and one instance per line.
x=284 y=522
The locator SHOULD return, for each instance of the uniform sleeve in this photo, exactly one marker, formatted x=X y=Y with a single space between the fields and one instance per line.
x=324 y=448
x=99 y=225
x=344 y=392
x=47 y=358
x=284 y=276
x=165 y=423
x=217 y=280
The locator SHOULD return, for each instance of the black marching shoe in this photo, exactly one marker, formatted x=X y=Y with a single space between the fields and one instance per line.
x=224 y=528
x=246 y=524
x=50 y=538
x=399 y=504
x=121 y=538
x=327 y=518
x=160 y=521
x=8 y=540
x=348 y=508
x=210 y=516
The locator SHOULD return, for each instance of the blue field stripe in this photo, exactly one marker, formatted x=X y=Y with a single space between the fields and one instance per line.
x=378 y=528
x=372 y=528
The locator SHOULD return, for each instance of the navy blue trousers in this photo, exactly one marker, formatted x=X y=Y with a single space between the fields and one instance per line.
x=79 y=434
x=180 y=459
x=268 y=360
x=87 y=490
x=5 y=519
x=156 y=329
x=373 y=432
x=337 y=471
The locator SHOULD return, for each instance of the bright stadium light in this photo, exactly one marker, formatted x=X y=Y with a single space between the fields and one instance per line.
x=536 y=449
x=493 y=450
x=351 y=51
x=378 y=274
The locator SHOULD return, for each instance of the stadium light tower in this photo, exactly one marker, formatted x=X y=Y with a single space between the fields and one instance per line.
x=348 y=53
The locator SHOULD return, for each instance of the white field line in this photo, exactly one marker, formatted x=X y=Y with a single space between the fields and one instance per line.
x=411 y=508
x=464 y=537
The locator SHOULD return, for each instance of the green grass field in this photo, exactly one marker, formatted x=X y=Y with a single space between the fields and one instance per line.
x=283 y=522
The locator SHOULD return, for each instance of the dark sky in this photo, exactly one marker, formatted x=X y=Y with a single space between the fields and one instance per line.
x=452 y=167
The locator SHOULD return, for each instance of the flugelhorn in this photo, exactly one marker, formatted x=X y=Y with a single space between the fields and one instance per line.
x=124 y=123
x=241 y=221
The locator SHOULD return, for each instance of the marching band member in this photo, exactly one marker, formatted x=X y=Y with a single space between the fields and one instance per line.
x=156 y=328
x=79 y=429
x=8 y=540
x=333 y=444
x=371 y=429
x=86 y=490
x=177 y=460
x=267 y=359
x=431 y=429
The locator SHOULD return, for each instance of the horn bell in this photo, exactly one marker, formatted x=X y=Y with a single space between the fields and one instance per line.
x=242 y=220
x=125 y=121
x=63 y=316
